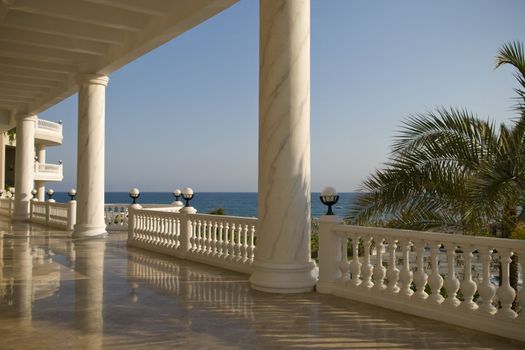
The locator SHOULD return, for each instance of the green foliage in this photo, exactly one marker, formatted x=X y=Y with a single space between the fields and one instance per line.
x=450 y=170
x=218 y=211
x=11 y=133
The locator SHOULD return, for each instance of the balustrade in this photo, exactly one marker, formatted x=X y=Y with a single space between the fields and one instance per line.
x=447 y=277
x=224 y=241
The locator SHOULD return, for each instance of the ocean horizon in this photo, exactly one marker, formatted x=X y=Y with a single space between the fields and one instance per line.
x=234 y=203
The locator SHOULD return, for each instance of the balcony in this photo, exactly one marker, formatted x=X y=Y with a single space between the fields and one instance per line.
x=48 y=172
x=48 y=133
x=91 y=292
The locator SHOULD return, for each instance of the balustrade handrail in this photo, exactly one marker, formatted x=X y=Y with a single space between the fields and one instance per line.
x=459 y=239
x=49 y=125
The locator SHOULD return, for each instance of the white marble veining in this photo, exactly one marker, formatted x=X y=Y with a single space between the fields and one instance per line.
x=24 y=175
x=283 y=246
x=90 y=159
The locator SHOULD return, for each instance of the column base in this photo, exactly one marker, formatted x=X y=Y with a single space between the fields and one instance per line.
x=284 y=278
x=82 y=230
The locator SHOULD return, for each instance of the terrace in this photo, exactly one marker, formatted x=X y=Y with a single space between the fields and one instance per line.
x=81 y=287
x=57 y=292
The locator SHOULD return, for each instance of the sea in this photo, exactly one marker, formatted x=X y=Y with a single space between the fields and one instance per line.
x=234 y=203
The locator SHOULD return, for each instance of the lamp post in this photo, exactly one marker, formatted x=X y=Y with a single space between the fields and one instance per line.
x=12 y=192
x=50 y=194
x=72 y=194
x=329 y=197
x=188 y=195
x=134 y=194
x=177 y=193
x=34 y=194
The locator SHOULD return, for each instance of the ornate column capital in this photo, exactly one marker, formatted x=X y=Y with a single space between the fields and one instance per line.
x=92 y=79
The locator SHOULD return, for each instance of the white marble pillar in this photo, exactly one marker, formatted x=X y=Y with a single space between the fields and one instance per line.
x=24 y=165
x=90 y=158
x=40 y=186
x=282 y=261
x=3 y=139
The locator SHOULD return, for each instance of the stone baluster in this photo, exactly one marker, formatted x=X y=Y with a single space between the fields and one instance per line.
x=392 y=272
x=487 y=290
x=355 y=265
x=379 y=270
x=366 y=269
x=451 y=282
x=244 y=248
x=506 y=293
x=205 y=237
x=221 y=241
x=214 y=238
x=238 y=246
x=251 y=246
x=406 y=275
x=435 y=281
x=199 y=236
x=420 y=277
x=226 y=240
x=233 y=251
x=344 y=266
x=468 y=286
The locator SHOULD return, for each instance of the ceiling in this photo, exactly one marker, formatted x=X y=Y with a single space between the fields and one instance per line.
x=45 y=44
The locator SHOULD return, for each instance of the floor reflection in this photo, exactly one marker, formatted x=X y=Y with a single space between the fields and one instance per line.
x=95 y=294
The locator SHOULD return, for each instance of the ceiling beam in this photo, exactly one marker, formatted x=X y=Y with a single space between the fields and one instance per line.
x=7 y=92
x=63 y=27
x=41 y=53
x=84 y=12
x=150 y=7
x=52 y=41
x=31 y=73
x=27 y=81
x=16 y=86
x=37 y=65
x=16 y=98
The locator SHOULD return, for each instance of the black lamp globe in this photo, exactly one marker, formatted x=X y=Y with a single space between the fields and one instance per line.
x=50 y=194
x=33 y=193
x=72 y=194
x=187 y=194
x=134 y=193
x=329 y=197
x=177 y=193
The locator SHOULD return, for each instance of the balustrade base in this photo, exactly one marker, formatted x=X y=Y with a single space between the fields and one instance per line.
x=283 y=278
x=428 y=309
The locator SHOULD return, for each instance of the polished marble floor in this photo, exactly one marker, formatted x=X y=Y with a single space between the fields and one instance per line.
x=56 y=293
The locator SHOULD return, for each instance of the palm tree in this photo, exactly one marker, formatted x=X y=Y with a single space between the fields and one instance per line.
x=452 y=171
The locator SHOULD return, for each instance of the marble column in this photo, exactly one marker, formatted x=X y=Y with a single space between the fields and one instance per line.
x=24 y=165
x=40 y=186
x=3 y=139
x=282 y=261
x=90 y=158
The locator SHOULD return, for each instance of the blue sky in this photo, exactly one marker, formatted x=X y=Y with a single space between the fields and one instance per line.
x=186 y=114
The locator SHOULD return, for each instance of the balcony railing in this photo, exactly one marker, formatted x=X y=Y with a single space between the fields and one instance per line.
x=223 y=241
x=6 y=206
x=59 y=215
x=463 y=280
x=48 y=131
x=48 y=172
